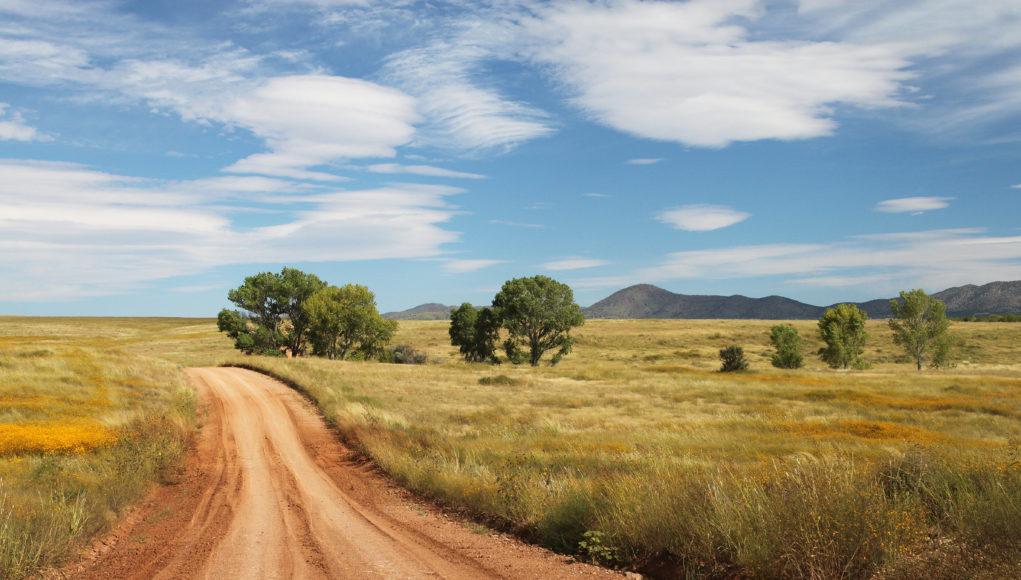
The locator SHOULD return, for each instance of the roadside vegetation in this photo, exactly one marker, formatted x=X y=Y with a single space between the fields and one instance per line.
x=88 y=420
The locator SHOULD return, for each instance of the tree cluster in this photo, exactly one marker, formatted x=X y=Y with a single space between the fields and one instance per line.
x=919 y=325
x=536 y=314
x=293 y=310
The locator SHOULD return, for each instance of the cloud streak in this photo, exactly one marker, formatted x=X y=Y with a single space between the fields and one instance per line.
x=702 y=218
x=574 y=264
x=915 y=205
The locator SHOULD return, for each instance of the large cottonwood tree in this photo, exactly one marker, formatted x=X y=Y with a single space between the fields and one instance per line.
x=538 y=314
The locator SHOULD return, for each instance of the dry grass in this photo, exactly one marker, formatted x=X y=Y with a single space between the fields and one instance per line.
x=90 y=413
x=768 y=473
x=764 y=473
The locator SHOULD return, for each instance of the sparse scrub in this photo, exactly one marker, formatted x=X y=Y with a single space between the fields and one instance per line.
x=405 y=354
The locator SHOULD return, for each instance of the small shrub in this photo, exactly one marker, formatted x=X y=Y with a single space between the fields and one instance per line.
x=498 y=380
x=594 y=548
x=405 y=354
x=733 y=359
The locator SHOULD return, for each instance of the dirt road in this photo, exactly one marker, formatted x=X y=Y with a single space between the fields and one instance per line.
x=270 y=493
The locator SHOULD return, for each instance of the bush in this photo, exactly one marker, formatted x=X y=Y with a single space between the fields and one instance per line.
x=404 y=354
x=733 y=359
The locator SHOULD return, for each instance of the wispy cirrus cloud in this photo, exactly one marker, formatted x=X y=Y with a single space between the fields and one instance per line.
x=306 y=121
x=464 y=266
x=574 y=263
x=702 y=218
x=913 y=205
x=460 y=112
x=643 y=161
x=427 y=170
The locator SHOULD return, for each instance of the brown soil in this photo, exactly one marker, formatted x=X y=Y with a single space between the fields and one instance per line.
x=269 y=492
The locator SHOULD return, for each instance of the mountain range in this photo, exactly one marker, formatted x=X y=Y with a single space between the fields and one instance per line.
x=648 y=301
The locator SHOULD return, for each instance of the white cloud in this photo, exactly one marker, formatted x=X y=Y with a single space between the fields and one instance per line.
x=643 y=161
x=70 y=231
x=463 y=266
x=962 y=52
x=599 y=195
x=692 y=73
x=305 y=120
x=427 y=170
x=914 y=205
x=702 y=218
x=1018 y=186
x=15 y=128
x=574 y=264
x=315 y=119
x=459 y=112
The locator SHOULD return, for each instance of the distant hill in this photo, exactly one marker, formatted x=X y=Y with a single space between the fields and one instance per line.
x=430 y=311
x=991 y=298
x=648 y=301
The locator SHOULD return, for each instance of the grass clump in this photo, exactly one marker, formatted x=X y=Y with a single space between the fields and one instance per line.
x=498 y=380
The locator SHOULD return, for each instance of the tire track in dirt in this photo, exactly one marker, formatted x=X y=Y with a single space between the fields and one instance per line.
x=269 y=492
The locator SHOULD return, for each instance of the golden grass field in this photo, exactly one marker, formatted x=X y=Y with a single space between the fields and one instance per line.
x=87 y=420
x=633 y=451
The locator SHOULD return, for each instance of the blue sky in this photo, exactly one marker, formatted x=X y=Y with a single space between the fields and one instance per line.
x=155 y=152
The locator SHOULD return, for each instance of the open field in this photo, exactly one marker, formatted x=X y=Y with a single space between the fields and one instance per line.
x=635 y=440
x=86 y=424
x=631 y=451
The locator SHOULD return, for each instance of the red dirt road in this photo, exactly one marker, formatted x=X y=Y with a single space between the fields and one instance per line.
x=269 y=492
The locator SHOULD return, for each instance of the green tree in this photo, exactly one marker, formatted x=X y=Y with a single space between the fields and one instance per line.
x=842 y=328
x=271 y=314
x=344 y=321
x=920 y=325
x=733 y=359
x=538 y=313
x=787 y=342
x=474 y=332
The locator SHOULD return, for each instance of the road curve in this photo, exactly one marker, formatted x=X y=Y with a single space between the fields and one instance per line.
x=270 y=493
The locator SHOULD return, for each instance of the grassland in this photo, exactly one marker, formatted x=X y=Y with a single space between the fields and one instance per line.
x=633 y=451
x=90 y=415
